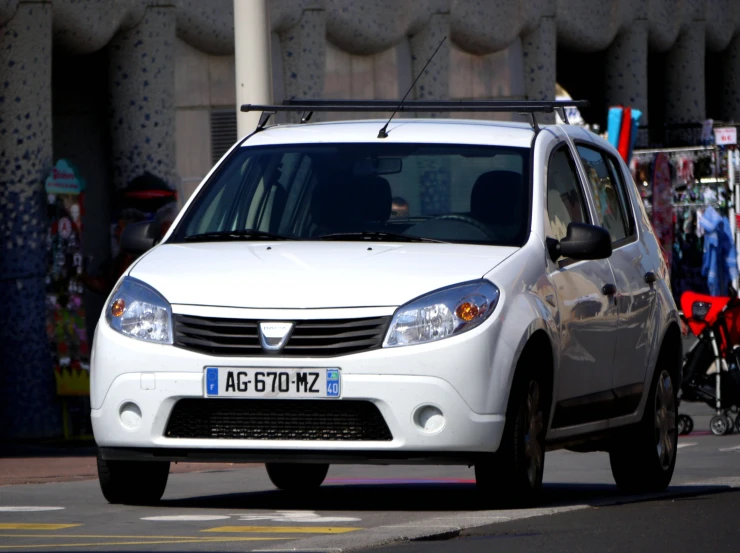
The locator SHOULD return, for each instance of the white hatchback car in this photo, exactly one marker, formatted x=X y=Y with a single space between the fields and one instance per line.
x=454 y=292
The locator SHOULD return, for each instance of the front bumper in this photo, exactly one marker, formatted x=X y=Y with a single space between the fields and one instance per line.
x=449 y=375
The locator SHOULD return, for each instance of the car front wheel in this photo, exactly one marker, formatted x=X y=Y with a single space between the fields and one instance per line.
x=297 y=477
x=513 y=475
x=643 y=456
x=133 y=482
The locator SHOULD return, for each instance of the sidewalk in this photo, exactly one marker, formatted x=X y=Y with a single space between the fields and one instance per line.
x=39 y=463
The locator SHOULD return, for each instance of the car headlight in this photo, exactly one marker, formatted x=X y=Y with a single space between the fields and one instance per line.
x=139 y=311
x=442 y=314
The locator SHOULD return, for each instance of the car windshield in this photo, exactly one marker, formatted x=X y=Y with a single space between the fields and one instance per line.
x=392 y=192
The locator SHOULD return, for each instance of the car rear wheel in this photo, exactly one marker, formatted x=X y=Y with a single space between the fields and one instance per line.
x=513 y=475
x=643 y=456
x=297 y=477
x=133 y=482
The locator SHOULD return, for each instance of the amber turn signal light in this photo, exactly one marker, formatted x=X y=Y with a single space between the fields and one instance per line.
x=467 y=311
x=118 y=307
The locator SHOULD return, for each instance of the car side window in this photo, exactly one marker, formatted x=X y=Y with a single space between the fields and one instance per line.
x=565 y=202
x=608 y=192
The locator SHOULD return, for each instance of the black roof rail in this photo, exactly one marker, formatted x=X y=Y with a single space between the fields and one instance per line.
x=415 y=106
x=524 y=106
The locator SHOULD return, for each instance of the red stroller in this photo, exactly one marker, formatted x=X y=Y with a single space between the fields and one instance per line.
x=716 y=323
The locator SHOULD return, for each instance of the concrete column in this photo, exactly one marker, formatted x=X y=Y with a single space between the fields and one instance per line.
x=303 y=55
x=626 y=69
x=540 y=48
x=684 y=76
x=28 y=407
x=731 y=81
x=252 y=60
x=142 y=88
x=434 y=84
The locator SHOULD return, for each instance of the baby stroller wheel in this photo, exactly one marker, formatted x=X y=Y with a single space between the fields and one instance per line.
x=685 y=424
x=718 y=425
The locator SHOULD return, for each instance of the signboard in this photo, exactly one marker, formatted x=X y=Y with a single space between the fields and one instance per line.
x=64 y=179
x=725 y=136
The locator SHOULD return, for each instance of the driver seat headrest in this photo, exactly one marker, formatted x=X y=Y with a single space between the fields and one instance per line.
x=497 y=197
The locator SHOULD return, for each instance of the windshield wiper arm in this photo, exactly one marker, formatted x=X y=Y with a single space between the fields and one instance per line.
x=234 y=235
x=371 y=235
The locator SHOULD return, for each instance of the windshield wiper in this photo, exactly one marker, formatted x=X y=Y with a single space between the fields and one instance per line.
x=234 y=235
x=371 y=235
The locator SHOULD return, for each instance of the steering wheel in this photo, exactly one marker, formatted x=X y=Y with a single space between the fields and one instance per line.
x=468 y=221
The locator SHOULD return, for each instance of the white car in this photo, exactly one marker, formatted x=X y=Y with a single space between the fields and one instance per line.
x=454 y=292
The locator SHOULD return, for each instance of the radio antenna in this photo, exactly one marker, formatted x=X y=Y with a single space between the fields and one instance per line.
x=383 y=132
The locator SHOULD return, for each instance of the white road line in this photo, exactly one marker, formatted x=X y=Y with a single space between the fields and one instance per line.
x=186 y=518
x=687 y=445
x=736 y=448
x=26 y=509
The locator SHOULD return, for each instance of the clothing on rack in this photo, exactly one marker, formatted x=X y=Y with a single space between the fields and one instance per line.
x=720 y=259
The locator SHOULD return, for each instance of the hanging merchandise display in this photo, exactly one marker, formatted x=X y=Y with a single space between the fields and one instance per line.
x=65 y=321
x=688 y=194
x=662 y=212
x=622 y=124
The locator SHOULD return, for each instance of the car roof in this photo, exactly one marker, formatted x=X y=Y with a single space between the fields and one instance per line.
x=432 y=131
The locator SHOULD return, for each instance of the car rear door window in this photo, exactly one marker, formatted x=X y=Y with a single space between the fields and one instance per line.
x=608 y=192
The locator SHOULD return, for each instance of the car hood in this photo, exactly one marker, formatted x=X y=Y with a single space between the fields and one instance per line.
x=310 y=274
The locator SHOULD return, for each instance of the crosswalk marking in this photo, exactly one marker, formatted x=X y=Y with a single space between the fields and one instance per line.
x=284 y=529
x=686 y=445
x=148 y=542
x=34 y=526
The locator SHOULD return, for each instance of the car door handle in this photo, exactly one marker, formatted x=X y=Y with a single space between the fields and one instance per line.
x=609 y=289
x=650 y=277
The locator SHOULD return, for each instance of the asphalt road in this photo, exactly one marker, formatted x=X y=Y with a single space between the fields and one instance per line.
x=682 y=525
x=235 y=508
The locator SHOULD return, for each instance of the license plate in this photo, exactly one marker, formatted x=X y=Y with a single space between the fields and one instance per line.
x=272 y=383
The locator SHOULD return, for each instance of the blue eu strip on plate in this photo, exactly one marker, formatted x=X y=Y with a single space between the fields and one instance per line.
x=212 y=381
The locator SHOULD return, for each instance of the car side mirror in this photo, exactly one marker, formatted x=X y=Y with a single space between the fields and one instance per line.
x=581 y=242
x=137 y=238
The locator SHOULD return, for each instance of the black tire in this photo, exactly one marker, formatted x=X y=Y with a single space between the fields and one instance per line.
x=295 y=477
x=737 y=423
x=133 y=482
x=718 y=425
x=685 y=425
x=730 y=425
x=513 y=475
x=643 y=456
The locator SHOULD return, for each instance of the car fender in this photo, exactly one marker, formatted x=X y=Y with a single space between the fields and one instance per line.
x=525 y=311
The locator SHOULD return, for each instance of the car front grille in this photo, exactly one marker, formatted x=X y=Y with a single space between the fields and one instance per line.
x=310 y=338
x=281 y=419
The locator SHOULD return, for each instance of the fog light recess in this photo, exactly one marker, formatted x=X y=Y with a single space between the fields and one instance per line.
x=429 y=419
x=130 y=415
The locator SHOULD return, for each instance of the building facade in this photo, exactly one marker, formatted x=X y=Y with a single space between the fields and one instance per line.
x=123 y=88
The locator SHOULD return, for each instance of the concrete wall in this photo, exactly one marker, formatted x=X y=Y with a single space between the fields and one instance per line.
x=169 y=62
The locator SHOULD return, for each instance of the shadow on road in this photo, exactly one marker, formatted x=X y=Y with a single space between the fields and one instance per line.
x=431 y=497
x=52 y=448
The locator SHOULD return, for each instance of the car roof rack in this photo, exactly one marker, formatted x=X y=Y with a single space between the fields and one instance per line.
x=523 y=107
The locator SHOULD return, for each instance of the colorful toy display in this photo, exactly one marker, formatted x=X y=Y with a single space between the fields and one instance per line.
x=65 y=321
